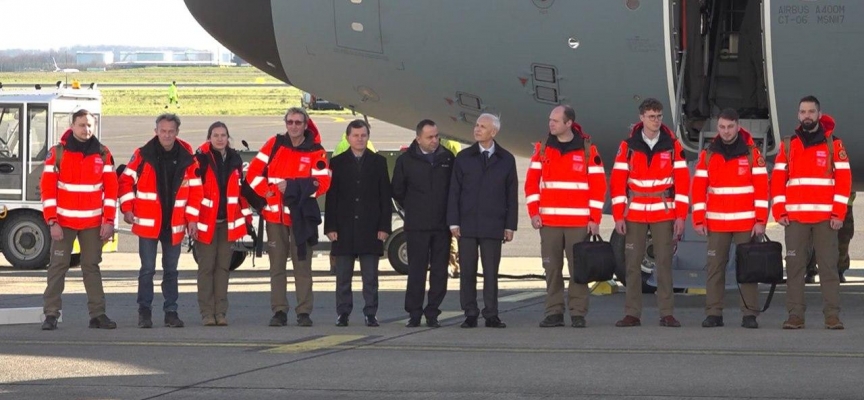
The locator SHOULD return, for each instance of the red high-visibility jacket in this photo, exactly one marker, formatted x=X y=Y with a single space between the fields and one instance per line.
x=81 y=192
x=289 y=162
x=648 y=185
x=811 y=185
x=139 y=193
x=730 y=191
x=565 y=186
x=238 y=213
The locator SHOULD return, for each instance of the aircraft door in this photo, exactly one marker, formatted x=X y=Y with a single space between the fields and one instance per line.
x=11 y=152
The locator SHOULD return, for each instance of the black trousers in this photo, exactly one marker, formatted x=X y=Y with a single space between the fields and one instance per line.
x=426 y=249
x=490 y=255
x=344 y=275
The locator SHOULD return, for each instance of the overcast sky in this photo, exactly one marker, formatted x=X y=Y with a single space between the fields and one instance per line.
x=51 y=24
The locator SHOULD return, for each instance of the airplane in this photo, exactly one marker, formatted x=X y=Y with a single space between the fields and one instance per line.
x=66 y=70
x=451 y=60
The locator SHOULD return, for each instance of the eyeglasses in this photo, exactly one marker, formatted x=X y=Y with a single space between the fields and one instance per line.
x=294 y=122
x=657 y=117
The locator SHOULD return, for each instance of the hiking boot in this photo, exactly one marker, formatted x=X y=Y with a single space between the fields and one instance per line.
x=221 y=320
x=577 y=321
x=371 y=321
x=304 y=320
x=280 y=318
x=749 y=322
x=208 y=320
x=669 y=322
x=50 y=323
x=712 y=321
x=833 y=322
x=342 y=320
x=495 y=322
x=431 y=322
x=145 y=319
x=172 y=320
x=794 y=322
x=628 y=321
x=552 y=321
x=102 y=322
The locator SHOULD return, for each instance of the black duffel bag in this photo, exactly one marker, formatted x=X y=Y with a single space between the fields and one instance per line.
x=593 y=260
x=759 y=262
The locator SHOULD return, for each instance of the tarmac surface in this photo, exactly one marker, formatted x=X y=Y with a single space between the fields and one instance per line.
x=250 y=360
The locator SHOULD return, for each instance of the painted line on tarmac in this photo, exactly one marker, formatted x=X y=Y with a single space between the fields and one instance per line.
x=319 y=343
x=513 y=298
x=445 y=315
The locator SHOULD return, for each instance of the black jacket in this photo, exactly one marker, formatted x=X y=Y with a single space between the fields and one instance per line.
x=483 y=200
x=358 y=204
x=299 y=197
x=421 y=188
x=170 y=168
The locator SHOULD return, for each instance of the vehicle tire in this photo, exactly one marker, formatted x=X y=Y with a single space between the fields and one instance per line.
x=397 y=253
x=26 y=241
x=237 y=258
x=617 y=242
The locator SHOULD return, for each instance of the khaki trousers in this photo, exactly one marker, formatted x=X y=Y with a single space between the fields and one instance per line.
x=280 y=244
x=214 y=263
x=715 y=285
x=61 y=256
x=634 y=252
x=824 y=239
x=555 y=243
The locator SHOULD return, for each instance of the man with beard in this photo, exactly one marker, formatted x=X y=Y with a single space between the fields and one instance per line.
x=811 y=182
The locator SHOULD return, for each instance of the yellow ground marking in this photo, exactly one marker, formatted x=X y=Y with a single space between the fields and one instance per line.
x=444 y=315
x=324 y=342
x=513 y=298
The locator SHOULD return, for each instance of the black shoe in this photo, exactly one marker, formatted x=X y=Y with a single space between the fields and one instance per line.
x=341 y=320
x=371 y=321
x=145 y=319
x=495 y=322
x=749 y=322
x=102 y=322
x=577 y=321
x=413 y=322
x=470 y=322
x=304 y=320
x=432 y=322
x=552 y=321
x=810 y=278
x=842 y=278
x=280 y=318
x=50 y=323
x=712 y=321
x=172 y=320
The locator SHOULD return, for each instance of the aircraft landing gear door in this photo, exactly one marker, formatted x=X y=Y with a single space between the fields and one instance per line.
x=37 y=116
x=11 y=152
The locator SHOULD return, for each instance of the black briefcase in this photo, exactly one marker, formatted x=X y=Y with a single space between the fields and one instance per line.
x=759 y=262
x=593 y=260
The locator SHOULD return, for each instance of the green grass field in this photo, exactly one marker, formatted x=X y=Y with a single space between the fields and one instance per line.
x=214 y=101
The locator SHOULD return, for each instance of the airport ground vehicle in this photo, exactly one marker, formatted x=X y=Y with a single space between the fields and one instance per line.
x=30 y=123
x=311 y=102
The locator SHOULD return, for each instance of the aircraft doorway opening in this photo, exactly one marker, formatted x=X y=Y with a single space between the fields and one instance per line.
x=725 y=68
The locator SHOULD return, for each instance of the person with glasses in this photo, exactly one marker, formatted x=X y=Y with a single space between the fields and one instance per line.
x=650 y=185
x=285 y=160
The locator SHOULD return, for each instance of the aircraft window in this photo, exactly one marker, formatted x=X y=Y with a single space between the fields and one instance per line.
x=546 y=94
x=545 y=73
x=38 y=116
x=9 y=132
x=468 y=100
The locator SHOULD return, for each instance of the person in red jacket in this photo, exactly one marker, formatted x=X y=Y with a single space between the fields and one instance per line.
x=79 y=200
x=650 y=186
x=160 y=195
x=811 y=183
x=295 y=157
x=730 y=205
x=222 y=221
x=564 y=191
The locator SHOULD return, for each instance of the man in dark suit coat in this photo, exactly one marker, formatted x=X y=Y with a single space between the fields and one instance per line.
x=421 y=181
x=357 y=217
x=482 y=212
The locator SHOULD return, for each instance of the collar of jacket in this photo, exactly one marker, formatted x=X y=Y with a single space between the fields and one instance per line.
x=232 y=157
x=440 y=154
x=665 y=142
x=739 y=147
x=150 y=151
x=823 y=131
x=89 y=147
x=474 y=149
x=578 y=142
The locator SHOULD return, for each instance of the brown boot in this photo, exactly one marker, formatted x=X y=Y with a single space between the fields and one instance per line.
x=833 y=322
x=794 y=322
x=628 y=321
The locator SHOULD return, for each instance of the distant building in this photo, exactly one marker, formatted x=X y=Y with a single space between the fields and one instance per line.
x=94 y=58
